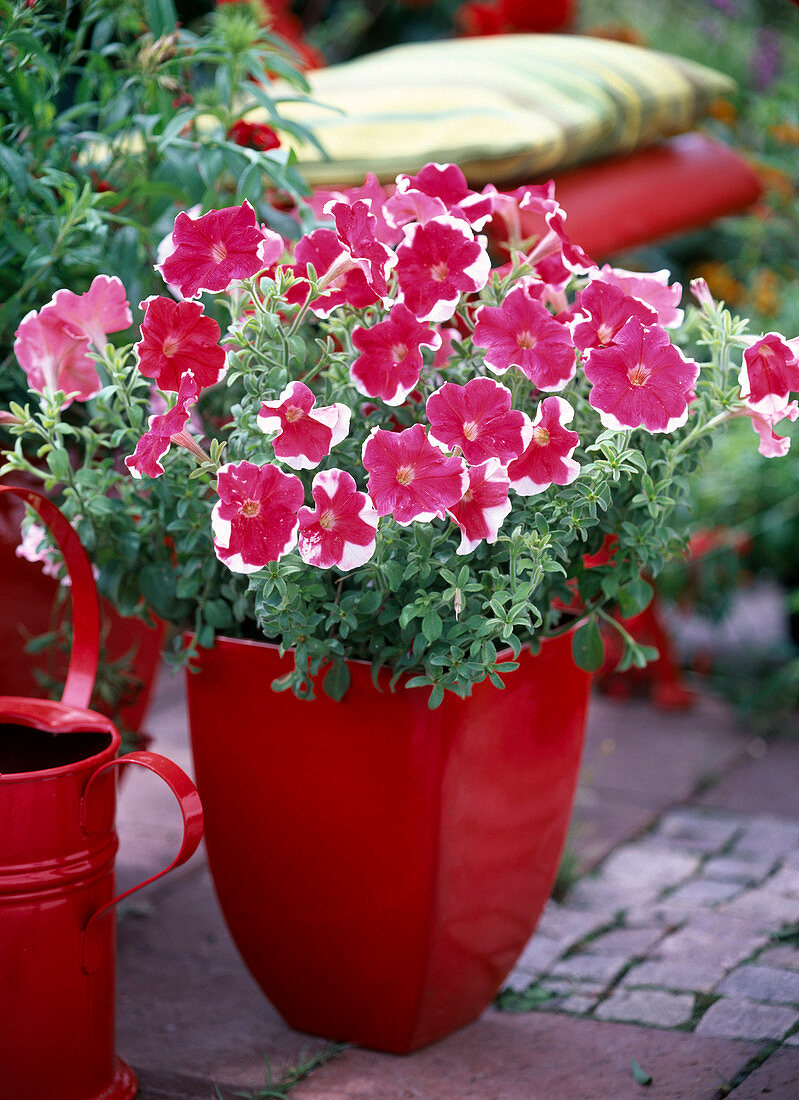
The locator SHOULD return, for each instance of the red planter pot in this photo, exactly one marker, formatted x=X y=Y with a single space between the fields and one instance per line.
x=380 y=865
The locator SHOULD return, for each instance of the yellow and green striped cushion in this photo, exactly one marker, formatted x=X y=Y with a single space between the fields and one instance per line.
x=503 y=108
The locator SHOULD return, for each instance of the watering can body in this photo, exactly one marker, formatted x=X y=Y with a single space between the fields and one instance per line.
x=58 y=844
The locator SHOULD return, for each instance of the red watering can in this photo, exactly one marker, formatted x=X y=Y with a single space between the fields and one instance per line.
x=57 y=850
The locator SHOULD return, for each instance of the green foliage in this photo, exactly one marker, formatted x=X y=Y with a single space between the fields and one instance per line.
x=112 y=119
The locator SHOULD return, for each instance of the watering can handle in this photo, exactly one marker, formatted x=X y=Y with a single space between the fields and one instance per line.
x=191 y=809
x=85 y=614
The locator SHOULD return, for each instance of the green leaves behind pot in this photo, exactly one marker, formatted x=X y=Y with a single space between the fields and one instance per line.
x=588 y=649
x=337 y=680
x=634 y=597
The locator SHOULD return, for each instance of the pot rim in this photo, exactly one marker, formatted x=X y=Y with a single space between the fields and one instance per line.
x=99 y=722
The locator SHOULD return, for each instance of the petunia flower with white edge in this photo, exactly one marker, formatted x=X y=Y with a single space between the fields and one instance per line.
x=305 y=434
x=341 y=529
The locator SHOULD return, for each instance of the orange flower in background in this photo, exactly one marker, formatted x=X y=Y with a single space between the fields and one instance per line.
x=765 y=295
x=617 y=32
x=721 y=281
x=723 y=111
x=774 y=179
x=786 y=133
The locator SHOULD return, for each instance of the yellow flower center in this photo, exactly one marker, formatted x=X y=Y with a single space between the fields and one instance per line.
x=439 y=271
x=638 y=375
x=170 y=347
x=527 y=341
x=250 y=508
x=405 y=475
x=540 y=436
x=470 y=430
x=293 y=413
x=218 y=252
x=326 y=520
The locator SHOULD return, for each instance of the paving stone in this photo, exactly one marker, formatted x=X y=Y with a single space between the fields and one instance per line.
x=728 y=869
x=590 y=968
x=632 y=942
x=702 y=892
x=565 y=987
x=777 y=1077
x=698 y=830
x=785 y=881
x=578 y=1004
x=768 y=837
x=740 y=1019
x=677 y=976
x=570 y=925
x=715 y=938
x=613 y=897
x=792 y=1040
x=648 y=868
x=762 y=983
x=650 y=1007
x=784 y=957
x=536 y=1056
x=539 y=954
x=770 y=911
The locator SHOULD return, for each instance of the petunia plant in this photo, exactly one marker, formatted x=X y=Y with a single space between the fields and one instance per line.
x=411 y=437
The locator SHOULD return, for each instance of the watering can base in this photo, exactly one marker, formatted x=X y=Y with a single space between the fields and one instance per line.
x=123 y=1086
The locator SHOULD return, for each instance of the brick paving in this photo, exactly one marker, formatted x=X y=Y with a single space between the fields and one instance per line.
x=673 y=948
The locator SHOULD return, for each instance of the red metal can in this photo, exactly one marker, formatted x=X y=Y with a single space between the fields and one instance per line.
x=57 y=884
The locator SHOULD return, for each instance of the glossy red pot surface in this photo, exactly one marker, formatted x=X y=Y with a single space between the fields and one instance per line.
x=381 y=866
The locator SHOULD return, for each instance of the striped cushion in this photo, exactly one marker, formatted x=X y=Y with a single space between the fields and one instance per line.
x=503 y=108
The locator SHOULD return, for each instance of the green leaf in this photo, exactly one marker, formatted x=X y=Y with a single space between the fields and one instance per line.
x=640 y=1075
x=161 y=16
x=337 y=680
x=634 y=597
x=588 y=649
x=432 y=626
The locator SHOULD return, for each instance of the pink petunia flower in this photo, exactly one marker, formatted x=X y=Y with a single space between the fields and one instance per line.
x=523 y=333
x=479 y=419
x=483 y=507
x=305 y=434
x=769 y=374
x=356 y=228
x=437 y=189
x=437 y=262
x=325 y=252
x=164 y=430
x=373 y=193
x=341 y=530
x=391 y=355
x=603 y=310
x=642 y=380
x=177 y=337
x=255 y=519
x=55 y=358
x=210 y=252
x=102 y=309
x=547 y=459
x=409 y=478
x=652 y=288
x=771 y=445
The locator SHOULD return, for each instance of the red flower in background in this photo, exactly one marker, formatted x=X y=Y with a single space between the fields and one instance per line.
x=515 y=16
x=253 y=135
